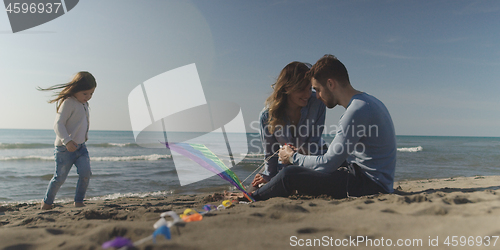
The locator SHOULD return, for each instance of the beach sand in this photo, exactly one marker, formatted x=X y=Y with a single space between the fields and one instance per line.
x=423 y=212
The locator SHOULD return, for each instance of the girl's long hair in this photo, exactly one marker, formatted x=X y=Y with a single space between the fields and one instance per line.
x=82 y=81
x=292 y=78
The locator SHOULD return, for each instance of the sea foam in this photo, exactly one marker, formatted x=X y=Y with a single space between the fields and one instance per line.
x=411 y=149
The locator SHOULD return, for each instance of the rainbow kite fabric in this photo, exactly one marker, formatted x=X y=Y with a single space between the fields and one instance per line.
x=200 y=154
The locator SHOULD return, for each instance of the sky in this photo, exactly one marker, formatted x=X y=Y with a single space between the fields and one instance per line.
x=435 y=64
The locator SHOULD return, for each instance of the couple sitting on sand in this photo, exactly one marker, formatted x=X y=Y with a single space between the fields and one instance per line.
x=360 y=160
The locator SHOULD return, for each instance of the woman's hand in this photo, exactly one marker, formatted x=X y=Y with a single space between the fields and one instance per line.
x=71 y=146
x=285 y=153
x=258 y=179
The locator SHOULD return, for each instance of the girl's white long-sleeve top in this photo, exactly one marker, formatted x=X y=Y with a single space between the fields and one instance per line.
x=72 y=122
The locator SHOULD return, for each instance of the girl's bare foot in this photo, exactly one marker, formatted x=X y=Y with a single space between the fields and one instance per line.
x=45 y=206
x=79 y=204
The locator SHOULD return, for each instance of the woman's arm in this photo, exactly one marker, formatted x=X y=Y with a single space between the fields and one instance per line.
x=270 y=145
x=343 y=144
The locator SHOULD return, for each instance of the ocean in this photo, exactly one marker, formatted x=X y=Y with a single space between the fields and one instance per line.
x=121 y=168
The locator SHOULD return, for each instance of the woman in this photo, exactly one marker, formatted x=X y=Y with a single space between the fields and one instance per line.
x=292 y=116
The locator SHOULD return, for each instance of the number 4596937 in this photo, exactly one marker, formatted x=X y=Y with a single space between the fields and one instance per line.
x=471 y=241
x=32 y=8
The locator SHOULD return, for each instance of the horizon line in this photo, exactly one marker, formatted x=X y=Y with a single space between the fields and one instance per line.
x=106 y=130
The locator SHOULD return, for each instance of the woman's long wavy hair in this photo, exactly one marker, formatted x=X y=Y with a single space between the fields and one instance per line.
x=292 y=78
x=82 y=81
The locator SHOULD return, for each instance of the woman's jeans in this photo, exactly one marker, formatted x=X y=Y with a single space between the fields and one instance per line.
x=64 y=161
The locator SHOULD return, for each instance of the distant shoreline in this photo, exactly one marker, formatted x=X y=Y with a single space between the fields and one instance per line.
x=103 y=130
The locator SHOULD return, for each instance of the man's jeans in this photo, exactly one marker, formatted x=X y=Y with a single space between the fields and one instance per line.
x=347 y=180
x=64 y=161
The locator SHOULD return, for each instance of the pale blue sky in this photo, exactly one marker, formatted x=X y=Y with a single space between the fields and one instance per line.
x=435 y=64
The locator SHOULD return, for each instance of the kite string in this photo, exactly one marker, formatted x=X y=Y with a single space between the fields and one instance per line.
x=260 y=166
x=265 y=161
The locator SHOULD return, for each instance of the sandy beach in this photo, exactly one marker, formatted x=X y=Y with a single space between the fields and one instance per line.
x=462 y=211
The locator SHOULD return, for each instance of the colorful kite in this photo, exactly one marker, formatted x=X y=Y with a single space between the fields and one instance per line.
x=200 y=154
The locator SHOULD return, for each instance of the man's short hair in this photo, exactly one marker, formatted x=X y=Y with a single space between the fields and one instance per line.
x=329 y=67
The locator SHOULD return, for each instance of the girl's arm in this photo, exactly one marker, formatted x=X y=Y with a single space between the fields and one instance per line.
x=62 y=117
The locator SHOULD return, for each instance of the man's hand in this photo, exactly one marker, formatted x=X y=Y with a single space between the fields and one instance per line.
x=71 y=146
x=258 y=179
x=285 y=153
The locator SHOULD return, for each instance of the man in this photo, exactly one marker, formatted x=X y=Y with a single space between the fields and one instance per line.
x=361 y=159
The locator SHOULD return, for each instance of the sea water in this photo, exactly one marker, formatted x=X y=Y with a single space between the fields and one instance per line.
x=121 y=168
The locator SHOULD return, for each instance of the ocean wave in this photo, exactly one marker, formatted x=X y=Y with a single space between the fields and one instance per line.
x=131 y=195
x=411 y=149
x=27 y=158
x=24 y=145
x=153 y=157
x=46 y=145
x=253 y=155
x=112 y=144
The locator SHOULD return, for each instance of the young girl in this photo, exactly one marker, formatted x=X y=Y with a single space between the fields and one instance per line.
x=71 y=127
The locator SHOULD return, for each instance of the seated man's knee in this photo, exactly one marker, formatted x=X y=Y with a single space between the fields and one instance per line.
x=293 y=169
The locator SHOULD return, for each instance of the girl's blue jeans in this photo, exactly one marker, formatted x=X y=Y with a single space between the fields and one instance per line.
x=64 y=161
